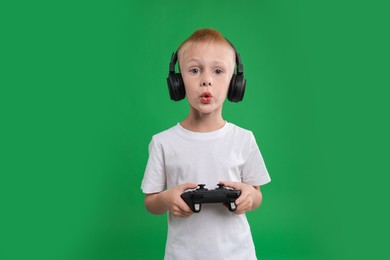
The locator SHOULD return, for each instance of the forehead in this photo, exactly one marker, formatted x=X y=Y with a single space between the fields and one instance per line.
x=208 y=51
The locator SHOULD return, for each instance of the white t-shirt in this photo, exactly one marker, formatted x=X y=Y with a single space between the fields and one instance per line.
x=178 y=156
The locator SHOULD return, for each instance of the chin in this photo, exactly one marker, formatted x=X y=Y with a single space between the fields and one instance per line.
x=206 y=108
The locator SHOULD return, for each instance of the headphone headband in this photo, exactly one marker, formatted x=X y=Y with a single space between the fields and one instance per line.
x=240 y=67
x=173 y=63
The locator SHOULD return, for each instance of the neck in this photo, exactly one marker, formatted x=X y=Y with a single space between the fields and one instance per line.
x=199 y=122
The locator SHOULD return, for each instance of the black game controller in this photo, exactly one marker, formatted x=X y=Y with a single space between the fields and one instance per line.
x=196 y=198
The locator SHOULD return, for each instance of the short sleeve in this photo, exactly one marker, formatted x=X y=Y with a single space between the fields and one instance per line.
x=254 y=171
x=154 y=177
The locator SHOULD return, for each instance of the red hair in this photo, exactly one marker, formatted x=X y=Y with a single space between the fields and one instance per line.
x=204 y=35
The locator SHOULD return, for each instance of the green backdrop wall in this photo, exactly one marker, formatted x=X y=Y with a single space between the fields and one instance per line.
x=83 y=89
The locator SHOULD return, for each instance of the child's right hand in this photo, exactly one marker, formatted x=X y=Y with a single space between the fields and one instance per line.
x=174 y=203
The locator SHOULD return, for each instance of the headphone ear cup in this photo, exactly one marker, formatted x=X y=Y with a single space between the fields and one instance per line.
x=237 y=88
x=176 y=87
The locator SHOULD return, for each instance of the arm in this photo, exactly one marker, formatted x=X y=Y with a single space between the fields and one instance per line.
x=169 y=200
x=250 y=198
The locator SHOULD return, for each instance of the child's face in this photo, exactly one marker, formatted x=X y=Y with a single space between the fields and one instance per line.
x=207 y=69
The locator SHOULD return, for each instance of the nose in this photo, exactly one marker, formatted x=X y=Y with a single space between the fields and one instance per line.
x=206 y=81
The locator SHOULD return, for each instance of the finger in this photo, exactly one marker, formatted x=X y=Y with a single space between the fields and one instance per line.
x=181 y=214
x=241 y=199
x=182 y=205
x=181 y=211
x=187 y=214
x=238 y=202
x=186 y=209
x=234 y=185
x=184 y=214
x=241 y=209
x=239 y=212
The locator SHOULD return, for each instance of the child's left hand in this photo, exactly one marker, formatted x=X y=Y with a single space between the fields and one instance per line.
x=249 y=199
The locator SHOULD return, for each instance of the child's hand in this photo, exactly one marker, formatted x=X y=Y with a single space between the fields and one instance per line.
x=174 y=203
x=249 y=199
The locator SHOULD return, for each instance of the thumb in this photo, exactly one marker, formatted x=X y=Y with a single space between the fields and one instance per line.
x=234 y=185
x=187 y=186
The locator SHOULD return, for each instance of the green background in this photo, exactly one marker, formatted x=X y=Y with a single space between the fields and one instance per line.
x=83 y=89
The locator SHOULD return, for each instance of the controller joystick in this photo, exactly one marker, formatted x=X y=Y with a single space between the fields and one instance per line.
x=201 y=187
x=222 y=194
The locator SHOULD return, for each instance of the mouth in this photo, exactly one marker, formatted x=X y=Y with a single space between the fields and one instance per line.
x=206 y=97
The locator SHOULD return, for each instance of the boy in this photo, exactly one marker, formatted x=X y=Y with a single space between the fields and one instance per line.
x=206 y=149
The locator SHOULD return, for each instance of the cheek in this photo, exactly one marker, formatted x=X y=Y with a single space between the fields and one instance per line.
x=226 y=85
x=191 y=94
x=188 y=85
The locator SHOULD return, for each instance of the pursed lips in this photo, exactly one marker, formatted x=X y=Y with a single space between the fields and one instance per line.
x=206 y=97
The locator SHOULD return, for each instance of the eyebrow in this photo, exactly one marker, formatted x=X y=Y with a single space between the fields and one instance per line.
x=218 y=63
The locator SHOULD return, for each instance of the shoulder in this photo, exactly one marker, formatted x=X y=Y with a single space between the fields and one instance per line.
x=166 y=135
x=241 y=137
x=240 y=132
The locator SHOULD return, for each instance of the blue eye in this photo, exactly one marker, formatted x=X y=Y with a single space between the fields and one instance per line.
x=194 y=71
x=218 y=71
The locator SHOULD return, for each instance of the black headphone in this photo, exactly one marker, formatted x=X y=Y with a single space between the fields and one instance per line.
x=236 y=88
